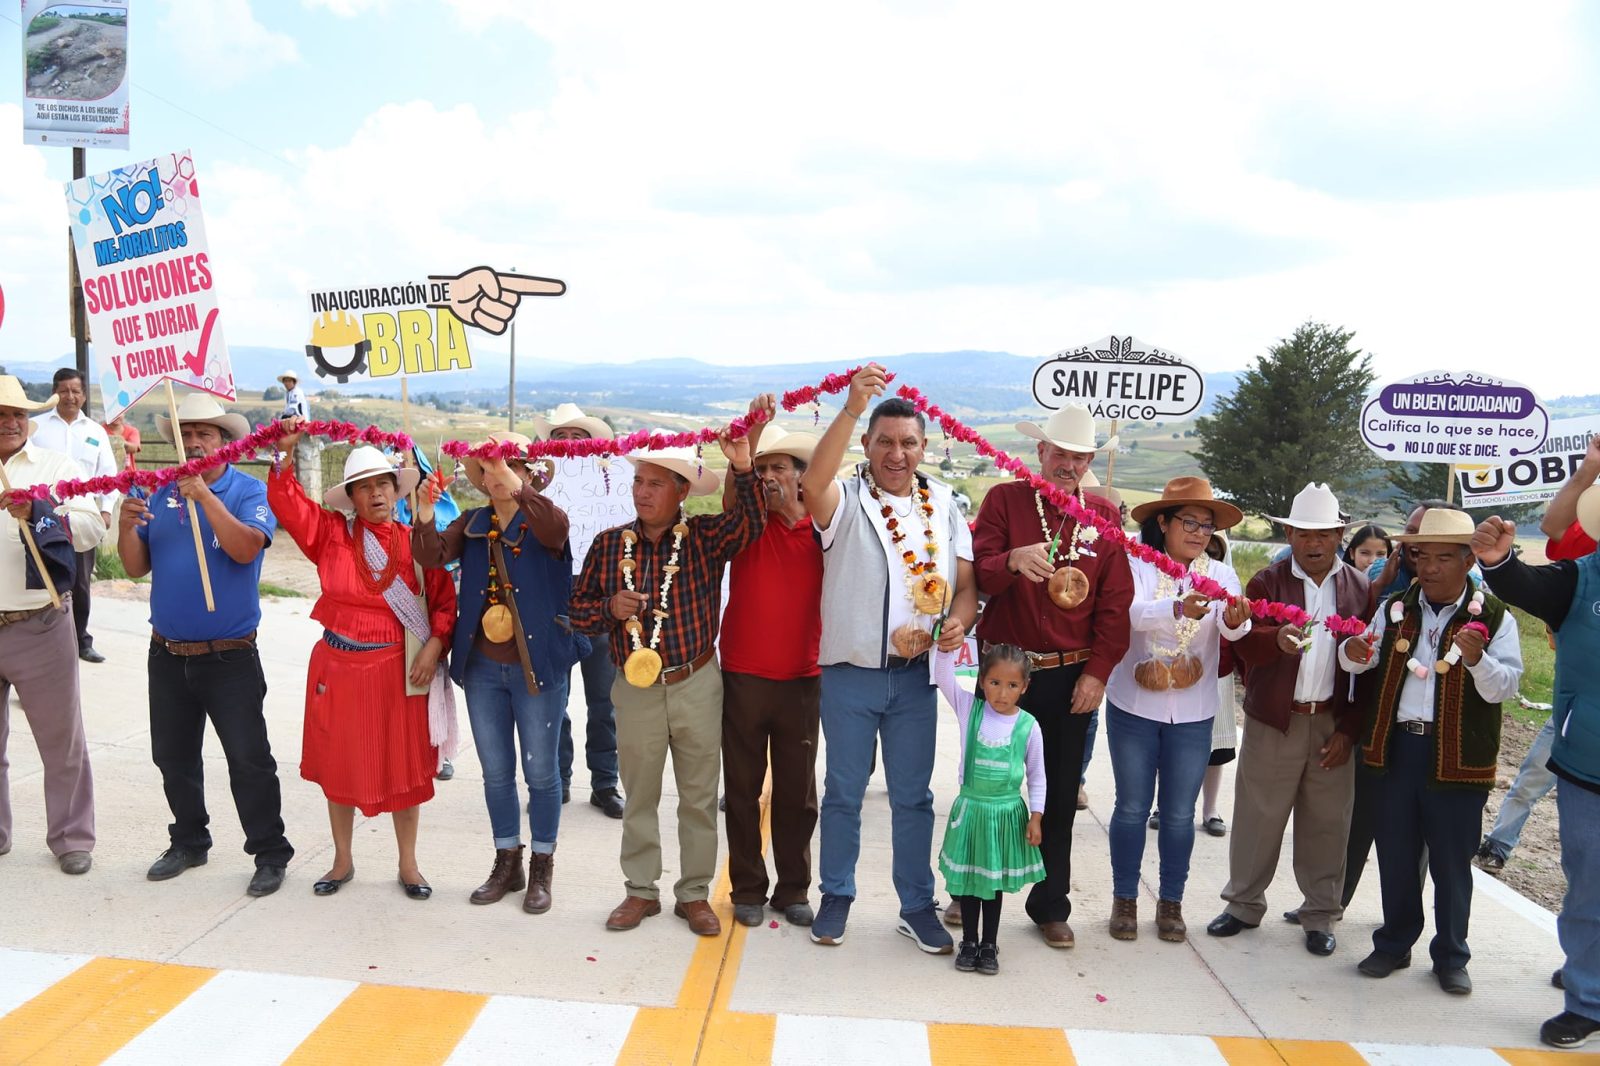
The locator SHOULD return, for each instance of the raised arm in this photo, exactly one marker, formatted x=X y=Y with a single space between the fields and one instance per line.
x=821 y=491
x=767 y=403
x=1564 y=508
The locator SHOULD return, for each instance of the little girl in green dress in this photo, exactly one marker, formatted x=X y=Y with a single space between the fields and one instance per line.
x=991 y=845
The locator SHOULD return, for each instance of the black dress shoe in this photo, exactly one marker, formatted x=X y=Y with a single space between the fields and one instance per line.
x=1226 y=924
x=1568 y=1030
x=267 y=880
x=1319 y=943
x=327 y=886
x=1555 y=979
x=416 y=891
x=1456 y=982
x=1382 y=964
x=1292 y=917
x=566 y=792
x=87 y=653
x=609 y=800
x=173 y=862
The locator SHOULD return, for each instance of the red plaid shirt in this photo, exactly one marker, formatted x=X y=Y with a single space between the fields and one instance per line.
x=695 y=600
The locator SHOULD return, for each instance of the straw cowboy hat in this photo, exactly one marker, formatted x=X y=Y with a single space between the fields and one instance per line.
x=682 y=461
x=366 y=461
x=571 y=416
x=474 y=466
x=1588 y=511
x=1071 y=429
x=11 y=395
x=799 y=445
x=1440 y=525
x=199 y=407
x=1183 y=491
x=289 y=375
x=1314 y=507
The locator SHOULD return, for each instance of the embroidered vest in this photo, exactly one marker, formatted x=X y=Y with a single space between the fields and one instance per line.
x=1466 y=735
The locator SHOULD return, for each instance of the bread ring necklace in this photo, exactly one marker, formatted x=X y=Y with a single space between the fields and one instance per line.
x=929 y=592
x=643 y=665
x=1069 y=586
x=1173 y=665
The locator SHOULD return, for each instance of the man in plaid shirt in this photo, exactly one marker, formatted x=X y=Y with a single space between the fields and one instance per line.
x=677 y=602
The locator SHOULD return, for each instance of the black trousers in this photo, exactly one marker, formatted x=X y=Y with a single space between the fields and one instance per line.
x=228 y=687
x=81 y=577
x=1363 y=823
x=1448 y=822
x=1049 y=699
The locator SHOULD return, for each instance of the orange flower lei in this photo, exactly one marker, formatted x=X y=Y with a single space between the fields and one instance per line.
x=915 y=568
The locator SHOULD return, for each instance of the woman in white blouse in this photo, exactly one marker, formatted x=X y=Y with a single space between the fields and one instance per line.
x=1162 y=697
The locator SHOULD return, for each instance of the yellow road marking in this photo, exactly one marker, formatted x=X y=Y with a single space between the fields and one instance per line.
x=381 y=1023
x=1318 y=1053
x=1535 y=1057
x=981 y=1045
x=1248 y=1051
x=91 y=1013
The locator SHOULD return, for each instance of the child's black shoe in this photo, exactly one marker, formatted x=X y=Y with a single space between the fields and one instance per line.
x=988 y=959
x=967 y=957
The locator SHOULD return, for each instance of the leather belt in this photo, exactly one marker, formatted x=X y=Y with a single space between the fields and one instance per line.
x=900 y=662
x=1411 y=725
x=672 y=675
x=9 y=617
x=202 y=647
x=1320 y=707
x=1049 y=660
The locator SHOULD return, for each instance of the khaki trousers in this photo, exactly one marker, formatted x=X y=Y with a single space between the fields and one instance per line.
x=685 y=719
x=1279 y=773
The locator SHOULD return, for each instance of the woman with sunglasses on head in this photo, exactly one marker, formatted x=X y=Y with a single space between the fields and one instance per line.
x=1162 y=697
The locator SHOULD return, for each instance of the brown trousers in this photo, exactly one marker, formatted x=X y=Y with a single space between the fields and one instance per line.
x=1279 y=774
x=764 y=719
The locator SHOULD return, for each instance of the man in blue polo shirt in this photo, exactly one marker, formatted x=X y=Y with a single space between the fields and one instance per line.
x=205 y=663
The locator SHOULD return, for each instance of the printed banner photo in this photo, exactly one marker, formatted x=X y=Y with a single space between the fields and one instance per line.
x=75 y=73
x=1448 y=417
x=147 y=281
x=1535 y=479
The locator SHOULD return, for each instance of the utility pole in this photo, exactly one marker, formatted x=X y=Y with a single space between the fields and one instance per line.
x=80 y=319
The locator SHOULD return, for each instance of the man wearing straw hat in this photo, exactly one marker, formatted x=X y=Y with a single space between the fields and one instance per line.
x=205 y=664
x=1300 y=726
x=1062 y=599
x=771 y=683
x=654 y=587
x=1447 y=655
x=38 y=644
x=308 y=449
x=568 y=422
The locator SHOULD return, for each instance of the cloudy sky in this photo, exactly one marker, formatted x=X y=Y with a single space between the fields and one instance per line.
x=831 y=181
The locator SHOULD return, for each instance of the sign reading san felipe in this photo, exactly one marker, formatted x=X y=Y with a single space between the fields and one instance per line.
x=1445 y=417
x=147 y=280
x=75 y=73
x=1534 y=478
x=1122 y=378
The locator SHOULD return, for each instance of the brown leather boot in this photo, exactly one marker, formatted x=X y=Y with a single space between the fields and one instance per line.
x=1169 y=921
x=1124 y=918
x=540 y=865
x=505 y=877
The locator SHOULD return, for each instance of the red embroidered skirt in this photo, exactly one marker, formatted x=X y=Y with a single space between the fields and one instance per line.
x=366 y=741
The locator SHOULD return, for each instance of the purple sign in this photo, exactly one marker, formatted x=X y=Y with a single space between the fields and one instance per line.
x=1441 y=417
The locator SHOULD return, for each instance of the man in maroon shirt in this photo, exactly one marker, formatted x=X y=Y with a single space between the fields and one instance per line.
x=1073 y=648
x=771 y=683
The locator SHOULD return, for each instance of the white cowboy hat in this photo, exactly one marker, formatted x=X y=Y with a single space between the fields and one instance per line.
x=799 y=445
x=201 y=407
x=571 y=416
x=1071 y=429
x=367 y=461
x=474 y=466
x=682 y=461
x=12 y=395
x=1314 y=507
x=289 y=375
x=1588 y=511
x=1440 y=525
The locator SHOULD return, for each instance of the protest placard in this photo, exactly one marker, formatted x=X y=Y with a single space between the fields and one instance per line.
x=148 y=284
x=75 y=73
x=1447 y=417
x=1535 y=478
x=581 y=489
x=1120 y=378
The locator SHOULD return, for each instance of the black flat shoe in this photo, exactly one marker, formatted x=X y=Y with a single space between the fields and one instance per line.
x=1382 y=964
x=418 y=891
x=1226 y=924
x=1319 y=943
x=1456 y=982
x=328 y=886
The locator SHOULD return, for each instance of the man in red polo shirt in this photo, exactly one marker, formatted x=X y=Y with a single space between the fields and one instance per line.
x=771 y=685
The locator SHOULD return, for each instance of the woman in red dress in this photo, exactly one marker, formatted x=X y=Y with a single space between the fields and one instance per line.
x=367 y=742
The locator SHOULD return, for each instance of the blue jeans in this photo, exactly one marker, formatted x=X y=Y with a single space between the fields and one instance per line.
x=501 y=713
x=1532 y=782
x=600 y=746
x=1088 y=744
x=899 y=709
x=1145 y=755
x=1578 y=924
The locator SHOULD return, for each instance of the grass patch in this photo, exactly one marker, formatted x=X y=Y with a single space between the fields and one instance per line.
x=1538 y=668
x=108 y=566
x=267 y=588
x=1249 y=560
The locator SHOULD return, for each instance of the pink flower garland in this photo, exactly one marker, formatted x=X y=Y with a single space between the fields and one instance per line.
x=829 y=385
x=639 y=440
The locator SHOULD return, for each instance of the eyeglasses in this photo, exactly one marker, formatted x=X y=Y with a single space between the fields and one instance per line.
x=1191 y=525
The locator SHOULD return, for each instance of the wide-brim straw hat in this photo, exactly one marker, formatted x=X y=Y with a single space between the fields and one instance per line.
x=201 y=407
x=1314 y=507
x=366 y=461
x=1184 y=491
x=1071 y=429
x=13 y=395
x=474 y=465
x=571 y=416
x=289 y=375
x=798 y=445
x=683 y=462
x=1588 y=511
x=1440 y=525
